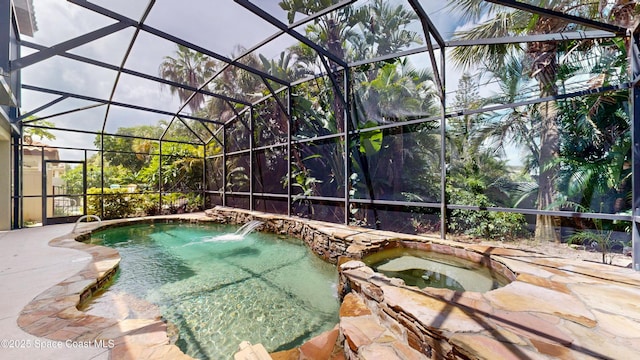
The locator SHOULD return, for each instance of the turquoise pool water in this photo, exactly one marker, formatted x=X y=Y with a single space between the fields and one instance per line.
x=219 y=291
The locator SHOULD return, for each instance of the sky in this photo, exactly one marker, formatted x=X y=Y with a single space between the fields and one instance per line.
x=220 y=28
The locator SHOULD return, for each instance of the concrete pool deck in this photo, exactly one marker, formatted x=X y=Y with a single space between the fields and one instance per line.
x=41 y=285
x=28 y=267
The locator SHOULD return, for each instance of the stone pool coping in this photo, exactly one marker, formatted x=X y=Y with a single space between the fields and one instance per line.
x=603 y=315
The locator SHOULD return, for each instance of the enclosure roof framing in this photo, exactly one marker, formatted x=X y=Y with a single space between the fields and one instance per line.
x=175 y=39
x=46 y=53
x=115 y=103
x=563 y=36
x=159 y=80
x=559 y=15
x=277 y=29
x=124 y=60
x=275 y=22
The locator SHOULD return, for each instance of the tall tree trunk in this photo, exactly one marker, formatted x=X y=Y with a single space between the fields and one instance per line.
x=334 y=45
x=545 y=71
x=546 y=225
x=396 y=169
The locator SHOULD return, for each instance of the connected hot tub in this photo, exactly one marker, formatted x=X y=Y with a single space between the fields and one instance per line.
x=423 y=269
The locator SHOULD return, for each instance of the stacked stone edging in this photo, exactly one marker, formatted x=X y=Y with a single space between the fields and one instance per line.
x=332 y=241
x=366 y=337
x=329 y=241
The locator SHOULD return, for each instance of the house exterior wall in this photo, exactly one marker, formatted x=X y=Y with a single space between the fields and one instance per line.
x=7 y=42
x=5 y=181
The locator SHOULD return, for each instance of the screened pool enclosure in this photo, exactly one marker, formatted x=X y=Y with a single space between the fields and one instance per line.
x=491 y=119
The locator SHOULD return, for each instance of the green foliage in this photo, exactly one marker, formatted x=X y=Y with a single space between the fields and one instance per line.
x=118 y=203
x=182 y=170
x=320 y=162
x=597 y=239
x=287 y=66
x=132 y=153
x=485 y=224
x=312 y=115
x=304 y=182
x=377 y=28
x=597 y=234
x=190 y=67
x=392 y=93
x=476 y=173
x=150 y=204
x=193 y=202
x=113 y=174
x=73 y=180
x=479 y=180
x=29 y=131
x=600 y=237
x=546 y=63
x=595 y=161
x=237 y=178
x=370 y=141
x=135 y=161
x=174 y=203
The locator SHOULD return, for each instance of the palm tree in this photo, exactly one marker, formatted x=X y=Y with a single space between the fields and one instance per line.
x=287 y=66
x=596 y=152
x=330 y=30
x=375 y=29
x=235 y=83
x=383 y=30
x=474 y=157
x=521 y=124
x=543 y=67
x=397 y=91
x=190 y=68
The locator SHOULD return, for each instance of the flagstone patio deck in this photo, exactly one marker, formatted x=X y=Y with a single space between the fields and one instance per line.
x=555 y=308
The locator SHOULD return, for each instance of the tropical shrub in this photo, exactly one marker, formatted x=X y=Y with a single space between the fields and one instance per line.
x=490 y=225
x=118 y=203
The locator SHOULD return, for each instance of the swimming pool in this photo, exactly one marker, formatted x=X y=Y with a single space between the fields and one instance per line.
x=220 y=291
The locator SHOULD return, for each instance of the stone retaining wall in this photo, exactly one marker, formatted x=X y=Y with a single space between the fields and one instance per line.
x=393 y=307
x=334 y=241
x=329 y=241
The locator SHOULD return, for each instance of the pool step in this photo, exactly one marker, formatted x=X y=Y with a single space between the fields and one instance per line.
x=251 y=352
